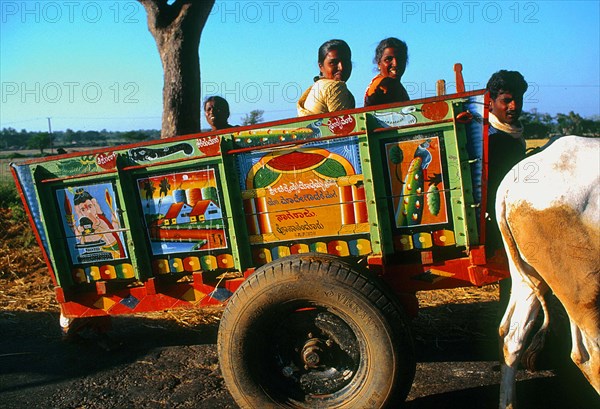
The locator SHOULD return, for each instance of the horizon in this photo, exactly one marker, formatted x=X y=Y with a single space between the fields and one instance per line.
x=595 y=118
x=92 y=65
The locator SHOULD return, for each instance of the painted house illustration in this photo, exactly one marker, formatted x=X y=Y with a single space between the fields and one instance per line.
x=205 y=210
x=183 y=213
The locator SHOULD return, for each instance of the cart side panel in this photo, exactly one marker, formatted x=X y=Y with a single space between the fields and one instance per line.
x=428 y=159
x=135 y=229
x=414 y=147
x=303 y=188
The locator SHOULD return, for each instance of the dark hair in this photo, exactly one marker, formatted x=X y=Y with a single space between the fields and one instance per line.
x=327 y=46
x=509 y=81
x=81 y=196
x=217 y=100
x=392 y=42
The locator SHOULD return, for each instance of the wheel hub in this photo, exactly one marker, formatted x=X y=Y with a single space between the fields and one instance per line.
x=312 y=353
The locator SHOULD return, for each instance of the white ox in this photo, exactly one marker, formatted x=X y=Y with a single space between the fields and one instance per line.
x=549 y=216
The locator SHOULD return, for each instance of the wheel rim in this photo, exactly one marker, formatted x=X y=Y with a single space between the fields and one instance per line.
x=308 y=353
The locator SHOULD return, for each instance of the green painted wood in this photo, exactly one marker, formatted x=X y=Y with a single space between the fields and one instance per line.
x=237 y=228
x=371 y=162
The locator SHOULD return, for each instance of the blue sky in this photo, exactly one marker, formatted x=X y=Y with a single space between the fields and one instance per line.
x=93 y=65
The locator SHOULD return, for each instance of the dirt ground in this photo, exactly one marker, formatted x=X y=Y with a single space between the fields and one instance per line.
x=169 y=359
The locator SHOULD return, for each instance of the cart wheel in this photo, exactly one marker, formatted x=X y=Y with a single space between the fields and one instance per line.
x=311 y=331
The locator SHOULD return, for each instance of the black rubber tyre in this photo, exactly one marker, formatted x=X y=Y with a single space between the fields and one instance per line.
x=311 y=331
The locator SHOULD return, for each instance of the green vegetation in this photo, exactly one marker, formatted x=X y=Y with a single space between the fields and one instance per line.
x=8 y=195
x=11 y=139
x=541 y=126
x=10 y=200
x=5 y=175
x=254 y=117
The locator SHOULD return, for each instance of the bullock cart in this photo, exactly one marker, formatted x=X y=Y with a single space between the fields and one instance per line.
x=316 y=232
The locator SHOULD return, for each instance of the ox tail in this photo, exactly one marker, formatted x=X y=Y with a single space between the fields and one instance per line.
x=525 y=271
x=539 y=339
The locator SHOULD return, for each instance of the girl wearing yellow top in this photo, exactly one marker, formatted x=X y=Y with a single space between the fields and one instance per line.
x=329 y=92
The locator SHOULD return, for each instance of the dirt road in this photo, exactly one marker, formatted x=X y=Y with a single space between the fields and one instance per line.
x=163 y=364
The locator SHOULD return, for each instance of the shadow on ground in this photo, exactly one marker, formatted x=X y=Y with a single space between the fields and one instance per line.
x=161 y=364
x=458 y=363
x=158 y=364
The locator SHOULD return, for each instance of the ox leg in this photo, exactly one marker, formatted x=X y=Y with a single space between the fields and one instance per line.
x=517 y=322
x=585 y=352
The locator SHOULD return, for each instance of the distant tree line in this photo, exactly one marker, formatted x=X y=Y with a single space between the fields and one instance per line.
x=541 y=126
x=11 y=139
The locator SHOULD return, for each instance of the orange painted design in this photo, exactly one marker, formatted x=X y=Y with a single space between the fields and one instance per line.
x=264 y=224
x=192 y=295
x=251 y=217
x=299 y=248
x=225 y=261
x=191 y=264
x=301 y=203
x=435 y=111
x=193 y=195
x=360 y=204
x=108 y=272
x=347 y=205
x=444 y=238
x=338 y=248
x=104 y=303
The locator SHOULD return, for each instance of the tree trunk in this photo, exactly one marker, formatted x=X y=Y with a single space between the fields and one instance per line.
x=176 y=28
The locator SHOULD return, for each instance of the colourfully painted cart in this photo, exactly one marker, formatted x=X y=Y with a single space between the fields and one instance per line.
x=316 y=232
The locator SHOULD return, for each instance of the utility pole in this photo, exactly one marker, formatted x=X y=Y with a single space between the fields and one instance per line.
x=50 y=133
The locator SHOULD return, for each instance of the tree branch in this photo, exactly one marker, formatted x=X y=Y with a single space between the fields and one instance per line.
x=162 y=16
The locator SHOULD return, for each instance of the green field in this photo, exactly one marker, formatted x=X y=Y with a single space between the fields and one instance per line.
x=23 y=154
x=5 y=175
